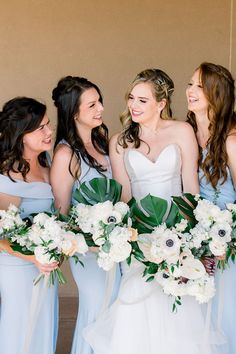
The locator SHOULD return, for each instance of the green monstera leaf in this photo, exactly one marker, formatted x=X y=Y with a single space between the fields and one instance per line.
x=186 y=204
x=152 y=211
x=98 y=190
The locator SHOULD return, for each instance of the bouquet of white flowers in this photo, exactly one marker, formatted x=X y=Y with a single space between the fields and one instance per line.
x=104 y=220
x=47 y=238
x=213 y=233
x=10 y=222
x=167 y=250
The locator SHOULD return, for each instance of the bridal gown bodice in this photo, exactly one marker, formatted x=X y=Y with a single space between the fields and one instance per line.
x=160 y=178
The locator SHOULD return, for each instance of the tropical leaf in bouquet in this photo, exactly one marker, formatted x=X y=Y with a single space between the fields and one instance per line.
x=152 y=211
x=174 y=216
x=186 y=204
x=21 y=249
x=98 y=190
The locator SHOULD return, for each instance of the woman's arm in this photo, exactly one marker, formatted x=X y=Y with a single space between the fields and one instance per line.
x=43 y=268
x=61 y=179
x=5 y=201
x=189 y=152
x=118 y=168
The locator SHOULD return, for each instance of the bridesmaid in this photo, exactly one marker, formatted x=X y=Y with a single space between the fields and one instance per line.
x=211 y=99
x=81 y=154
x=25 y=135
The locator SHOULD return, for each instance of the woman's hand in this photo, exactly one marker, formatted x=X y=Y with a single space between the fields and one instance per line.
x=46 y=268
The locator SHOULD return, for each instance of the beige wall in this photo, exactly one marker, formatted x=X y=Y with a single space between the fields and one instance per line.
x=108 y=42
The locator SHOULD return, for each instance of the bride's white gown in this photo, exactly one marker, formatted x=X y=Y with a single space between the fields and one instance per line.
x=141 y=319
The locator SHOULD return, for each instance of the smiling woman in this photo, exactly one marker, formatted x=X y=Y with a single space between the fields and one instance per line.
x=24 y=181
x=81 y=151
x=211 y=102
x=40 y=139
x=150 y=156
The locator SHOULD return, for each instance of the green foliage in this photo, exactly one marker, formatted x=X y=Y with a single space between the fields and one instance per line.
x=151 y=212
x=136 y=251
x=98 y=190
x=186 y=205
x=176 y=304
x=21 y=249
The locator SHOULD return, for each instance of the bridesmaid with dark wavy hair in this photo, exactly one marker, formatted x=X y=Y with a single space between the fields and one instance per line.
x=211 y=100
x=25 y=136
x=81 y=154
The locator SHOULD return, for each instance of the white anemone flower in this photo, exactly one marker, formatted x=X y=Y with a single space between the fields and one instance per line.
x=221 y=232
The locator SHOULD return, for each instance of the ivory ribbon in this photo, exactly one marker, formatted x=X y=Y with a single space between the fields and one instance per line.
x=109 y=286
x=137 y=271
x=38 y=296
x=221 y=303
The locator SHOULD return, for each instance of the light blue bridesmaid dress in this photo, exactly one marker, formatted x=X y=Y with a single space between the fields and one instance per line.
x=90 y=279
x=16 y=282
x=226 y=281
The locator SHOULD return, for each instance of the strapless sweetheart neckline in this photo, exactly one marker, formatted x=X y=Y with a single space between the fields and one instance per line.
x=159 y=155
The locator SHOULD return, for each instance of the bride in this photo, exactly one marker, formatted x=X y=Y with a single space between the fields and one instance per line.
x=157 y=155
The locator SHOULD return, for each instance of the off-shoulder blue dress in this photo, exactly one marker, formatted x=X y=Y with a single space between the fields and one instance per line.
x=90 y=279
x=226 y=281
x=16 y=282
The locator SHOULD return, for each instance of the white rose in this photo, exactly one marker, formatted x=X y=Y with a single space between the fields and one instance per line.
x=119 y=252
x=181 y=226
x=122 y=208
x=42 y=255
x=217 y=247
x=174 y=287
x=105 y=261
x=119 y=235
x=203 y=289
x=98 y=235
x=41 y=219
x=149 y=248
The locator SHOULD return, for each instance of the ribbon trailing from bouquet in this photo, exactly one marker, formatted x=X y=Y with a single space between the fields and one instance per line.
x=38 y=296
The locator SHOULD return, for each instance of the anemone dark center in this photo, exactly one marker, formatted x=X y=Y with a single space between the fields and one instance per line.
x=111 y=219
x=221 y=233
x=169 y=243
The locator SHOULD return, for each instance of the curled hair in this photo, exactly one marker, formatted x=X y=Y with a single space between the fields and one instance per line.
x=67 y=98
x=19 y=116
x=218 y=87
x=162 y=87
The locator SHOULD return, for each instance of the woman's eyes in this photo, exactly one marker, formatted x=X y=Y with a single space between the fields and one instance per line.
x=130 y=98
x=44 y=125
x=191 y=84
